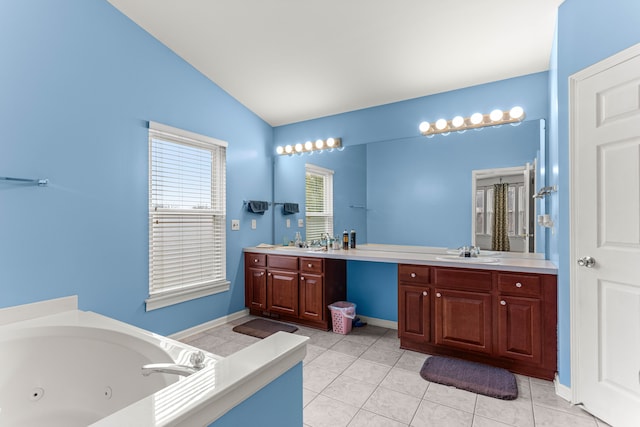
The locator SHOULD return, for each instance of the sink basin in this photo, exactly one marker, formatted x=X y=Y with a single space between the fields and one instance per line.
x=482 y=253
x=472 y=260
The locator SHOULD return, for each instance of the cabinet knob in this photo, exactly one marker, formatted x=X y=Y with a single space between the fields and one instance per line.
x=518 y=285
x=255 y=260
x=438 y=294
x=268 y=274
x=503 y=302
x=301 y=277
x=425 y=293
x=262 y=273
x=309 y=265
x=413 y=274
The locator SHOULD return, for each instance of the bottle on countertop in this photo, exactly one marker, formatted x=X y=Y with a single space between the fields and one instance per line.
x=353 y=239
x=345 y=240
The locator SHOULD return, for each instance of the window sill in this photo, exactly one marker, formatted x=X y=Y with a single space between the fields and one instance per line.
x=171 y=297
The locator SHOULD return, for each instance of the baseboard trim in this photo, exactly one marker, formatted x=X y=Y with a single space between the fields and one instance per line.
x=379 y=322
x=562 y=390
x=210 y=324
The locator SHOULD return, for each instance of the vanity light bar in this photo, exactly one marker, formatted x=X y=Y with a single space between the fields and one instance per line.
x=475 y=121
x=309 y=146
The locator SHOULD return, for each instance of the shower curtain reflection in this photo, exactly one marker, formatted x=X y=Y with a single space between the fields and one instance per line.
x=500 y=236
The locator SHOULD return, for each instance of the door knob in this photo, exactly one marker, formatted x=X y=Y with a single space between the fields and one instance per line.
x=586 y=261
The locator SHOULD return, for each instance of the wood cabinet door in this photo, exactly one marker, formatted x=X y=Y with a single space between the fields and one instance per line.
x=312 y=306
x=463 y=320
x=414 y=313
x=282 y=292
x=256 y=288
x=520 y=328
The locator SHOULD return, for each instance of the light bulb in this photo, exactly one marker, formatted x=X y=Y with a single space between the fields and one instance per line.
x=298 y=147
x=331 y=142
x=496 y=115
x=288 y=149
x=441 y=124
x=516 y=112
x=457 y=121
x=279 y=149
x=319 y=144
x=424 y=127
x=308 y=145
x=476 y=118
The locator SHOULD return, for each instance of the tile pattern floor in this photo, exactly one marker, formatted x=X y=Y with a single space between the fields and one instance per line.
x=364 y=379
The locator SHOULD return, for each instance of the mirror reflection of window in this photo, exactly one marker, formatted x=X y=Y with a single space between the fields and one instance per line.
x=522 y=227
x=319 y=202
x=511 y=210
x=480 y=211
x=489 y=211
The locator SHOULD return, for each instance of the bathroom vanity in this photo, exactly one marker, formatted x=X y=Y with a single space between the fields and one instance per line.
x=505 y=319
x=500 y=308
x=294 y=288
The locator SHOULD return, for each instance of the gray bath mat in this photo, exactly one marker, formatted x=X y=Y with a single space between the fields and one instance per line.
x=262 y=328
x=471 y=376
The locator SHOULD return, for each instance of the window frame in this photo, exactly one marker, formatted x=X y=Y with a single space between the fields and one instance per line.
x=162 y=296
x=327 y=213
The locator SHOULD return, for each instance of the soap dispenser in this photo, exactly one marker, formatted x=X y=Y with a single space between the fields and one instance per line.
x=345 y=240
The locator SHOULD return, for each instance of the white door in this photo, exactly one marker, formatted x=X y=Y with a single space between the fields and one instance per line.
x=605 y=211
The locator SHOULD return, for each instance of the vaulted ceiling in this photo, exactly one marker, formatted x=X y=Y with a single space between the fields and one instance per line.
x=293 y=60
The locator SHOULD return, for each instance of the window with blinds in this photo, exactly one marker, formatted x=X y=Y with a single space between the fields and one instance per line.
x=319 y=201
x=187 y=216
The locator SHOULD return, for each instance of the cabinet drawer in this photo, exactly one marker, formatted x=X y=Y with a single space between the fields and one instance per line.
x=519 y=285
x=458 y=278
x=282 y=261
x=311 y=265
x=255 y=260
x=414 y=273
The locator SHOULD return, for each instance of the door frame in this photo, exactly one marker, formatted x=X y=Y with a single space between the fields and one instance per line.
x=574 y=80
x=528 y=170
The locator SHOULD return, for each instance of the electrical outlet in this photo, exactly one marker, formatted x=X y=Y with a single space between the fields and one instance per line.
x=300 y=222
x=235 y=224
x=288 y=223
x=253 y=224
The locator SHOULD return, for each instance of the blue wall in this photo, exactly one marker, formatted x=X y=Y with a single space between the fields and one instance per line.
x=274 y=405
x=373 y=287
x=78 y=83
x=588 y=31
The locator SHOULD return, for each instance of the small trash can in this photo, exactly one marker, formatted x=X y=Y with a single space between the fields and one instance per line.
x=342 y=314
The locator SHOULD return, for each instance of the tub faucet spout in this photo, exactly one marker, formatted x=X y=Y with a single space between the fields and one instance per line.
x=197 y=363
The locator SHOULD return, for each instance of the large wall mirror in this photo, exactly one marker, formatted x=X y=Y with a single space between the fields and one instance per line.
x=414 y=191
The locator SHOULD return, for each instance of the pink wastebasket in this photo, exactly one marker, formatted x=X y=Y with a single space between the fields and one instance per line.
x=342 y=315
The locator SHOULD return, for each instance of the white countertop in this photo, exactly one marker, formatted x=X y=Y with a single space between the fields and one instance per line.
x=443 y=257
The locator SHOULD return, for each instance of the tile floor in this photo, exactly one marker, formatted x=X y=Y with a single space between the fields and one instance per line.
x=365 y=379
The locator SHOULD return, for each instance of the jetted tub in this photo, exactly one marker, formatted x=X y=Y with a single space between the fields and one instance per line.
x=75 y=368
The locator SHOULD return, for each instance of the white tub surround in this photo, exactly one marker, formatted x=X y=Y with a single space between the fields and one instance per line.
x=77 y=368
x=442 y=257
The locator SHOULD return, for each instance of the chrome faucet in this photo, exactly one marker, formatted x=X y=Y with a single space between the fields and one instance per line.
x=197 y=363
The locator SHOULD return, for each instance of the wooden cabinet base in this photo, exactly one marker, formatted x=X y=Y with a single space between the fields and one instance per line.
x=294 y=289
x=503 y=319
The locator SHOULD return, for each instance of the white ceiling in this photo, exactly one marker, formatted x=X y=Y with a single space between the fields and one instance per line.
x=293 y=60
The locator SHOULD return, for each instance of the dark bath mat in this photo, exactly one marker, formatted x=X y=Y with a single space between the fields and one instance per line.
x=262 y=328
x=471 y=376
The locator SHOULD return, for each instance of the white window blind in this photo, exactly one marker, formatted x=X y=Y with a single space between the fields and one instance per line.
x=319 y=201
x=187 y=216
